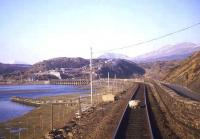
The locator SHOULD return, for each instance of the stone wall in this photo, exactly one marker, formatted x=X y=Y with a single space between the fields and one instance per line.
x=182 y=113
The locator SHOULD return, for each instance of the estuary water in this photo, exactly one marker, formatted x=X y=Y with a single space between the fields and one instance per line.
x=10 y=110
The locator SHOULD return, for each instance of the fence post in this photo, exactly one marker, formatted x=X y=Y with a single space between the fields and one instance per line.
x=79 y=105
x=52 y=116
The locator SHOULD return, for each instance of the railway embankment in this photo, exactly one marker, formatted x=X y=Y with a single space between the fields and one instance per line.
x=181 y=112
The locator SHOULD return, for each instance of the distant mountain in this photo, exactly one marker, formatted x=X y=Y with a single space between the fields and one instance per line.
x=170 y=52
x=10 y=68
x=113 y=56
x=187 y=73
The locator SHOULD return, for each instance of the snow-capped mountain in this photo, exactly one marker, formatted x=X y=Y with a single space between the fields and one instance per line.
x=170 y=52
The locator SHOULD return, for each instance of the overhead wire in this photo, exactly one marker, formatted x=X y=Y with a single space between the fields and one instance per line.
x=151 y=40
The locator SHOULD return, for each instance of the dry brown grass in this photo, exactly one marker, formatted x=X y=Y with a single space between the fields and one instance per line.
x=102 y=123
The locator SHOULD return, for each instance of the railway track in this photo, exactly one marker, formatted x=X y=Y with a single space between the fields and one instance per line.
x=136 y=123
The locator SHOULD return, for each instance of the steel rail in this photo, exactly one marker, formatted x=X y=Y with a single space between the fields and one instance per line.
x=147 y=113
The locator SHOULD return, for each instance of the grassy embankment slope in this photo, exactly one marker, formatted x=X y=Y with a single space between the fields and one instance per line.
x=187 y=73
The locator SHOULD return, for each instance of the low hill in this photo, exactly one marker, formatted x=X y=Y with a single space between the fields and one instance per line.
x=61 y=62
x=187 y=73
x=121 y=68
x=79 y=67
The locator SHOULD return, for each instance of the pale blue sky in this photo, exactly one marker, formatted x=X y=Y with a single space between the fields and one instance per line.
x=34 y=30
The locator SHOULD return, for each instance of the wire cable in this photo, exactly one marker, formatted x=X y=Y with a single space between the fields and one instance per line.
x=151 y=40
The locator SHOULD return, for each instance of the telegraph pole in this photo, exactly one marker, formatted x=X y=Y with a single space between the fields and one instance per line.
x=52 y=116
x=91 y=75
x=108 y=81
x=115 y=85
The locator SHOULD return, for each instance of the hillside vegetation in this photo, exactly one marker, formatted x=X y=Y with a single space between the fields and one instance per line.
x=61 y=62
x=187 y=73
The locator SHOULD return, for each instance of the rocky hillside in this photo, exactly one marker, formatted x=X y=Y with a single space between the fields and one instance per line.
x=159 y=69
x=187 y=73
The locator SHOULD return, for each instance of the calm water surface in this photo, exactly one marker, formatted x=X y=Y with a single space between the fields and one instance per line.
x=10 y=110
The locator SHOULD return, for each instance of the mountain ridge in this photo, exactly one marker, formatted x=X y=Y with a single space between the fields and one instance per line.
x=178 y=51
